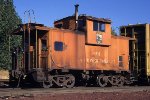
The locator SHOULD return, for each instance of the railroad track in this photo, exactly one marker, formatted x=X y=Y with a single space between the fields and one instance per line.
x=75 y=89
x=56 y=93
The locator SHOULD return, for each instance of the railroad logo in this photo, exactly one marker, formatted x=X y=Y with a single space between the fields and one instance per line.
x=99 y=38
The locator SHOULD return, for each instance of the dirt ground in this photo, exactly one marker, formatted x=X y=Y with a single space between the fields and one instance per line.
x=80 y=93
x=94 y=96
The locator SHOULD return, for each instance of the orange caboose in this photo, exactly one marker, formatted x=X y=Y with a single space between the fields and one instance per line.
x=100 y=50
x=80 y=49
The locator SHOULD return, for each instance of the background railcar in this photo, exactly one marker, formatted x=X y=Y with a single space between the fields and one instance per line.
x=139 y=50
x=4 y=78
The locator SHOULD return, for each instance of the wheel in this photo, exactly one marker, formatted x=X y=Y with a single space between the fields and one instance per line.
x=148 y=81
x=48 y=83
x=16 y=82
x=70 y=81
x=13 y=83
x=114 y=80
x=102 y=80
x=121 y=81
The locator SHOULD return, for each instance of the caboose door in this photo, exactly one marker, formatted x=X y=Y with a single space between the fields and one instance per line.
x=43 y=52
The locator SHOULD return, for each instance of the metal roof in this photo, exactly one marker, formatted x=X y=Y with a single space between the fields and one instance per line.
x=34 y=26
x=87 y=17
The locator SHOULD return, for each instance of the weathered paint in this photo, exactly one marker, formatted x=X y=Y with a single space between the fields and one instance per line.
x=91 y=35
x=106 y=57
x=80 y=49
x=72 y=56
x=81 y=56
x=119 y=47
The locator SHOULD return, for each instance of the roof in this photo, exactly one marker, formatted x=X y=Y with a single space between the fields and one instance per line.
x=87 y=17
x=22 y=27
x=41 y=27
x=133 y=25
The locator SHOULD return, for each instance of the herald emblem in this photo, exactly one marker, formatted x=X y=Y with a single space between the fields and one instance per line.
x=99 y=38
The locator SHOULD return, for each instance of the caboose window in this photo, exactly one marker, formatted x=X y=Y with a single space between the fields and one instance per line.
x=120 y=61
x=95 y=26
x=101 y=27
x=98 y=26
x=58 y=46
x=80 y=23
x=44 y=45
x=59 y=25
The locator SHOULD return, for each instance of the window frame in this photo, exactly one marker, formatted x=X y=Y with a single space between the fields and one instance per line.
x=95 y=25
x=60 y=25
x=120 y=61
x=102 y=27
x=43 y=45
x=99 y=26
x=58 y=46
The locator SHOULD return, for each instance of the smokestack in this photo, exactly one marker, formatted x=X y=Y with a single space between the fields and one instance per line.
x=76 y=16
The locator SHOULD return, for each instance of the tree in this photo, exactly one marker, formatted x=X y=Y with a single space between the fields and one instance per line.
x=113 y=31
x=8 y=22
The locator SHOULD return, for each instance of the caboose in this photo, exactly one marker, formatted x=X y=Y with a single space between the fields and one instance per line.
x=78 y=50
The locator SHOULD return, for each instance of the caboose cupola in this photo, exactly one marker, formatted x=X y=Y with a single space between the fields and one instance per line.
x=97 y=30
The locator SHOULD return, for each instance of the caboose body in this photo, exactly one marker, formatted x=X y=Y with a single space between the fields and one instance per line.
x=80 y=49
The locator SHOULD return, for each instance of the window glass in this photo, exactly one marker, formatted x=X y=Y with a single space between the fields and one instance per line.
x=120 y=61
x=80 y=23
x=58 y=46
x=120 y=58
x=98 y=26
x=44 y=45
x=95 y=26
x=59 y=26
x=101 y=27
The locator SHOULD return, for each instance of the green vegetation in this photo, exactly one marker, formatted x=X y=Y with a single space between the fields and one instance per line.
x=8 y=22
x=113 y=31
